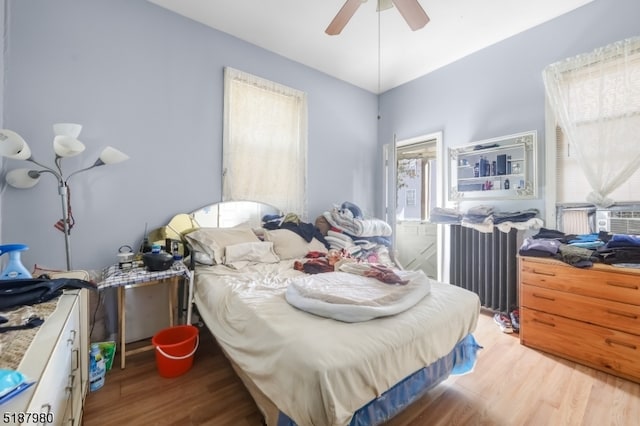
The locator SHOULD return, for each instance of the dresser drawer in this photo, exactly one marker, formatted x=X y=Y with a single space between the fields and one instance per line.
x=608 y=350
x=54 y=390
x=606 y=313
x=595 y=282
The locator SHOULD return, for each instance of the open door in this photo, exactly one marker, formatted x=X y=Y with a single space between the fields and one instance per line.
x=415 y=181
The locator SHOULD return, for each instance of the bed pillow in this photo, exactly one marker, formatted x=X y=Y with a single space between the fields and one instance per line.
x=242 y=254
x=289 y=245
x=213 y=241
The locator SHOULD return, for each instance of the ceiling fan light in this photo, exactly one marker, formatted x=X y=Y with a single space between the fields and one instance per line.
x=67 y=146
x=22 y=179
x=12 y=145
x=67 y=129
x=384 y=5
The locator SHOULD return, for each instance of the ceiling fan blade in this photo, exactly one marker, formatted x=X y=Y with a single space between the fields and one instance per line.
x=343 y=16
x=412 y=12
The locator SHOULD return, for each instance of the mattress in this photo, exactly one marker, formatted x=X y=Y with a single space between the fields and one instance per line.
x=318 y=370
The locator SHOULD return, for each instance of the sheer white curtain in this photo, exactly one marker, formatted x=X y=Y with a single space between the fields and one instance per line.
x=596 y=100
x=264 y=142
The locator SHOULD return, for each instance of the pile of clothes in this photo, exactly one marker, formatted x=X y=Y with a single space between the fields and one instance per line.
x=346 y=229
x=585 y=249
x=292 y=222
x=318 y=263
x=484 y=218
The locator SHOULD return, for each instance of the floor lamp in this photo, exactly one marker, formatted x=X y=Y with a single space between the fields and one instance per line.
x=65 y=144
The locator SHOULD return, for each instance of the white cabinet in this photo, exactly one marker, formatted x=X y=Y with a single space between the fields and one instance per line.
x=496 y=168
x=58 y=360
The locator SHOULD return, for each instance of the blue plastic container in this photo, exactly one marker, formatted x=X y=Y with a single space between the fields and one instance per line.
x=15 y=269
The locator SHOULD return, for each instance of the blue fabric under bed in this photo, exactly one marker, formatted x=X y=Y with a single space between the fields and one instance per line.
x=460 y=360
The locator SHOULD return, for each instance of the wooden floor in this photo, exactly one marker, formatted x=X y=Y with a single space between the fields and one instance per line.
x=511 y=385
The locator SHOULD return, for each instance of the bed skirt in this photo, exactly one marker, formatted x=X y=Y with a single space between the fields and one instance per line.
x=460 y=360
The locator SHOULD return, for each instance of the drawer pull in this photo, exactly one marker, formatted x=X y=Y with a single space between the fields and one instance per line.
x=72 y=337
x=69 y=388
x=549 y=274
x=622 y=314
x=540 y=296
x=612 y=342
x=76 y=356
x=623 y=285
x=550 y=324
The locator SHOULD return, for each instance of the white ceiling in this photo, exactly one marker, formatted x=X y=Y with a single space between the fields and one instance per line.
x=295 y=29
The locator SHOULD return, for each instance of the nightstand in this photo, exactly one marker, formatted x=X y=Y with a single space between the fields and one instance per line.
x=125 y=279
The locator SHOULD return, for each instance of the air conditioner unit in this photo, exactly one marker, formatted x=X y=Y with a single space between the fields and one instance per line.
x=618 y=221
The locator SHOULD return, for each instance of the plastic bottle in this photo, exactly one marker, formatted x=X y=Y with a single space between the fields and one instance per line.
x=483 y=166
x=145 y=247
x=14 y=269
x=96 y=368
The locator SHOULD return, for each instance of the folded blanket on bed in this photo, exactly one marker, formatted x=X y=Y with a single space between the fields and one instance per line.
x=344 y=220
x=349 y=297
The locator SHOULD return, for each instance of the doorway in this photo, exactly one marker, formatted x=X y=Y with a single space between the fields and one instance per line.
x=414 y=187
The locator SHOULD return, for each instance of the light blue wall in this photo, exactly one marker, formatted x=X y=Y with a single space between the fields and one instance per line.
x=149 y=82
x=499 y=91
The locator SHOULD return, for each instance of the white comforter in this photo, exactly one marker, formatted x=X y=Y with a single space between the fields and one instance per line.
x=316 y=370
x=350 y=297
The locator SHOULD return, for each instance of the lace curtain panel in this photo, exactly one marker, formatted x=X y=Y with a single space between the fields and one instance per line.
x=596 y=100
x=264 y=142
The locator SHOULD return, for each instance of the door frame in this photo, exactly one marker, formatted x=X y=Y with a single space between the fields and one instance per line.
x=441 y=187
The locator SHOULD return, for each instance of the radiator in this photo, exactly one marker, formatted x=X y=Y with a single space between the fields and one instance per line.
x=486 y=264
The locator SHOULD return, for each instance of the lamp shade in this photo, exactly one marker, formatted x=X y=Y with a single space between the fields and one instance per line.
x=67 y=146
x=22 y=179
x=13 y=146
x=67 y=129
x=110 y=155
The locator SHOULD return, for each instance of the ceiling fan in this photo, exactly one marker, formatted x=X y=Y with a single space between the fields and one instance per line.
x=410 y=10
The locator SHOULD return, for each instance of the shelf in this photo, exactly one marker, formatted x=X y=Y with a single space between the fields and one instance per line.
x=496 y=177
x=514 y=153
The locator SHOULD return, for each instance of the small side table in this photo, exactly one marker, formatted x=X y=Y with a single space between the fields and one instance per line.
x=124 y=279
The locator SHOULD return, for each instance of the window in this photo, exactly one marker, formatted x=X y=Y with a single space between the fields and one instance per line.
x=596 y=105
x=572 y=186
x=264 y=154
x=415 y=180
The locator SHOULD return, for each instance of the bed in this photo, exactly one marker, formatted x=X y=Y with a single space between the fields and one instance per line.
x=305 y=369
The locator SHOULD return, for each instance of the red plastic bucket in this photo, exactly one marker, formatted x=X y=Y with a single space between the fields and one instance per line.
x=175 y=347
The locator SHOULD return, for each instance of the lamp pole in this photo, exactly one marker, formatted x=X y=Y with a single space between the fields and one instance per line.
x=64 y=194
x=63 y=191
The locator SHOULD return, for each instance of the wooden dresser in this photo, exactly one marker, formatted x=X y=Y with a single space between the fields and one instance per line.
x=590 y=316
